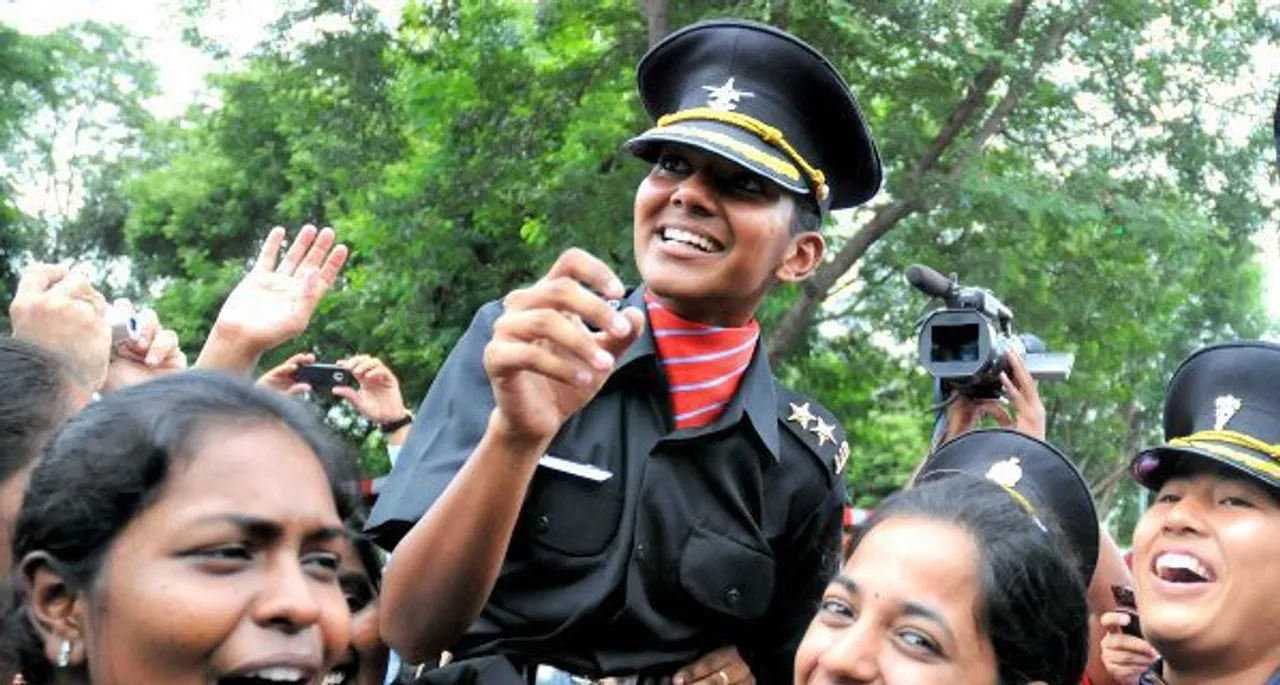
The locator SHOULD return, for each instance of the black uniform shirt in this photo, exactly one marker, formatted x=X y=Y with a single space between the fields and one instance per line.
x=701 y=538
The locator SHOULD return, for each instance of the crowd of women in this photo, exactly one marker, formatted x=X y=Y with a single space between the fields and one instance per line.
x=170 y=525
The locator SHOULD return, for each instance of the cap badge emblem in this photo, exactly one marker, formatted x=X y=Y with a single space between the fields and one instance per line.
x=842 y=456
x=1006 y=473
x=1224 y=408
x=725 y=98
x=800 y=414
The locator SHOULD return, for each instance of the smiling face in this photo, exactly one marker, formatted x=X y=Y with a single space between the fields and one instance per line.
x=1207 y=569
x=901 y=611
x=232 y=572
x=711 y=237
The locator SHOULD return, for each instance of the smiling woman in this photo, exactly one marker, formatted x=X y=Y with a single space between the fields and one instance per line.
x=951 y=582
x=185 y=531
x=1206 y=566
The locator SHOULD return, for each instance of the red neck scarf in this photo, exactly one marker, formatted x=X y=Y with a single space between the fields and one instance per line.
x=704 y=364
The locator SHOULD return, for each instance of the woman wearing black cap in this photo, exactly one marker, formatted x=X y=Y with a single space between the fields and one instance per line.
x=1207 y=552
x=623 y=497
x=959 y=581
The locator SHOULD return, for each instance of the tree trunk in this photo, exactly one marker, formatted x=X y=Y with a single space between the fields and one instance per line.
x=657 y=16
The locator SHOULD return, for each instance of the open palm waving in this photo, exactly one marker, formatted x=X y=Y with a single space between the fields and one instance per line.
x=275 y=300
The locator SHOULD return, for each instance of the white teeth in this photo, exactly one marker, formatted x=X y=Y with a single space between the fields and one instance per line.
x=335 y=678
x=1185 y=562
x=689 y=237
x=283 y=674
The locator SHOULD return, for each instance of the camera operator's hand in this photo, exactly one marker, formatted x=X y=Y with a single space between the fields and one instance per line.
x=63 y=312
x=721 y=667
x=280 y=378
x=378 y=398
x=1126 y=657
x=274 y=302
x=543 y=362
x=1028 y=416
x=154 y=352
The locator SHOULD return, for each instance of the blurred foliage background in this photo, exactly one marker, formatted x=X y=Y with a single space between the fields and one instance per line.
x=1076 y=157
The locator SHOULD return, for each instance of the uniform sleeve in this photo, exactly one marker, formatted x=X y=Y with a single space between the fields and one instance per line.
x=449 y=425
x=815 y=548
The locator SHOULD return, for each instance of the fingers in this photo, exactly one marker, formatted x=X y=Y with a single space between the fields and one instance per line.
x=347 y=393
x=1114 y=621
x=616 y=344
x=270 y=250
x=319 y=249
x=165 y=347
x=567 y=295
x=1022 y=378
x=567 y=335
x=583 y=267
x=504 y=359
x=319 y=281
x=998 y=412
x=38 y=278
x=301 y=244
x=721 y=667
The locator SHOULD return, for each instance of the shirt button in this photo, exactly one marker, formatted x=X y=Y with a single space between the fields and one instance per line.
x=732 y=595
x=543 y=524
x=641 y=552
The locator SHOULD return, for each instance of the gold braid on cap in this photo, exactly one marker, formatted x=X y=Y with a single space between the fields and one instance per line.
x=765 y=132
x=1199 y=438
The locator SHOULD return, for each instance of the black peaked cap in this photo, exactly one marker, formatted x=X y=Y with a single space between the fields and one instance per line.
x=709 y=84
x=1038 y=472
x=1223 y=406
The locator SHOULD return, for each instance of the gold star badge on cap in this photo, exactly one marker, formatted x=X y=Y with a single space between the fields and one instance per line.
x=800 y=414
x=824 y=431
x=1224 y=408
x=1006 y=473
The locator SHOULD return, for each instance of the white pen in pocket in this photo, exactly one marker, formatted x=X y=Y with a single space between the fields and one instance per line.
x=573 y=468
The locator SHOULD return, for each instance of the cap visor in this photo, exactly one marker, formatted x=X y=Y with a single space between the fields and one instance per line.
x=1168 y=457
x=725 y=141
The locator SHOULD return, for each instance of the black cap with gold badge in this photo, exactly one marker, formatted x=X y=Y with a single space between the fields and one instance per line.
x=1033 y=472
x=764 y=99
x=1222 y=405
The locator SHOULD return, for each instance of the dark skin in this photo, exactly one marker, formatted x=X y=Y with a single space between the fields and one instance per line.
x=544 y=365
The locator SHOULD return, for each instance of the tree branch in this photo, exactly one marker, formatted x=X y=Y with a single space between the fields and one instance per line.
x=978 y=90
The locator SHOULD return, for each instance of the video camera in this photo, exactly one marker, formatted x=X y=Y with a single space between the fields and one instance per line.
x=964 y=345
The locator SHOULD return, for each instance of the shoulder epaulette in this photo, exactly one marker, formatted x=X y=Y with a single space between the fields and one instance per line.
x=814 y=426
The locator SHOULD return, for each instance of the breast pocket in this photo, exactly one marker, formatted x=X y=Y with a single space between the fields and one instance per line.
x=727 y=576
x=571 y=514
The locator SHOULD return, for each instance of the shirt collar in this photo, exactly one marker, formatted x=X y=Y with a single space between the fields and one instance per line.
x=756 y=396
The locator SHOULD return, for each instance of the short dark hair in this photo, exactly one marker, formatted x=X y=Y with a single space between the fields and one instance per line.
x=110 y=462
x=805 y=218
x=1032 y=602
x=33 y=401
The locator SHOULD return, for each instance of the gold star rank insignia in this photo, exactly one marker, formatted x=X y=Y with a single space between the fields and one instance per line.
x=800 y=414
x=824 y=431
x=842 y=456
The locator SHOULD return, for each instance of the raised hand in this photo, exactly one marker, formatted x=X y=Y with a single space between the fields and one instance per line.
x=543 y=362
x=63 y=312
x=1028 y=415
x=275 y=300
x=378 y=398
x=154 y=352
